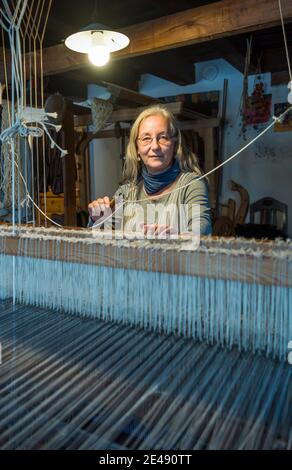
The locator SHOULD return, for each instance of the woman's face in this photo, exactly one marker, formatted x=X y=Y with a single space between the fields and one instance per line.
x=157 y=155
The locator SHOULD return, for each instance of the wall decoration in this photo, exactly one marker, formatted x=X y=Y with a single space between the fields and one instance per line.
x=257 y=106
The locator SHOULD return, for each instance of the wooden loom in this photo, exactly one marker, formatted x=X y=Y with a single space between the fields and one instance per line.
x=76 y=374
x=99 y=383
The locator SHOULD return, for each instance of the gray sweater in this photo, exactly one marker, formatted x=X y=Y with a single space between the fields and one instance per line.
x=186 y=208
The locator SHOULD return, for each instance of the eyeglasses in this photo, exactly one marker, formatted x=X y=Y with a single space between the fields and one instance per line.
x=161 y=140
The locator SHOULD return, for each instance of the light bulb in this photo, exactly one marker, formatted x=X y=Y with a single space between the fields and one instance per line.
x=99 y=55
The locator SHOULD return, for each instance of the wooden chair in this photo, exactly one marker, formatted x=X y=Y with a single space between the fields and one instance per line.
x=270 y=212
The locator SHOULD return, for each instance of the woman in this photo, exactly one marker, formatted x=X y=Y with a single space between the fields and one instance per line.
x=161 y=190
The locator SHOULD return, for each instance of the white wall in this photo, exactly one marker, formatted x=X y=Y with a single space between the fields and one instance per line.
x=105 y=162
x=105 y=167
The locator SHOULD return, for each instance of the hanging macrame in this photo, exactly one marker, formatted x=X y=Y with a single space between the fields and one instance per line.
x=101 y=111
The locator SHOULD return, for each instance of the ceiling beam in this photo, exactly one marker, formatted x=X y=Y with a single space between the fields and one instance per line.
x=127 y=115
x=197 y=125
x=128 y=95
x=192 y=26
x=213 y=21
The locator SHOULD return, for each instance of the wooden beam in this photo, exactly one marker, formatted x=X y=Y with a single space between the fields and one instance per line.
x=236 y=263
x=198 y=125
x=69 y=168
x=192 y=26
x=130 y=114
x=128 y=95
x=209 y=145
x=213 y=21
x=106 y=134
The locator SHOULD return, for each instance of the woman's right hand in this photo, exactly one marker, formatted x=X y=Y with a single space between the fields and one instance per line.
x=99 y=208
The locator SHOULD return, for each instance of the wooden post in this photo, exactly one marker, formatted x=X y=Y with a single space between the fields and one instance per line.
x=207 y=135
x=69 y=168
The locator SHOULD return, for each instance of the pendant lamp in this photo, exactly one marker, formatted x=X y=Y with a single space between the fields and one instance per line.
x=98 y=41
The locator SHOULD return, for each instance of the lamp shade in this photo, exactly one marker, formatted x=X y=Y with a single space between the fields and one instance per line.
x=88 y=37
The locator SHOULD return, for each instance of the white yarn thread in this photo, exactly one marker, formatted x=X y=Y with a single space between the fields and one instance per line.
x=229 y=313
x=285 y=40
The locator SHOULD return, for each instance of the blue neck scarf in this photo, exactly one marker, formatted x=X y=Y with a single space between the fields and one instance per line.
x=155 y=183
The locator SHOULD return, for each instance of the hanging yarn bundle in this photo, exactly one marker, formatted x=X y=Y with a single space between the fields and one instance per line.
x=23 y=26
x=101 y=111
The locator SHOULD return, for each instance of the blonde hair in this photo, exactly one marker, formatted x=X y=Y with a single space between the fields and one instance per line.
x=187 y=160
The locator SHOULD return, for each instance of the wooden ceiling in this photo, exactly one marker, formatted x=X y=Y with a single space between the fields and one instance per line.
x=167 y=38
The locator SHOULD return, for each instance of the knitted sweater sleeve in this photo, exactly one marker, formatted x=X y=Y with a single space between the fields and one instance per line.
x=197 y=199
x=121 y=194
